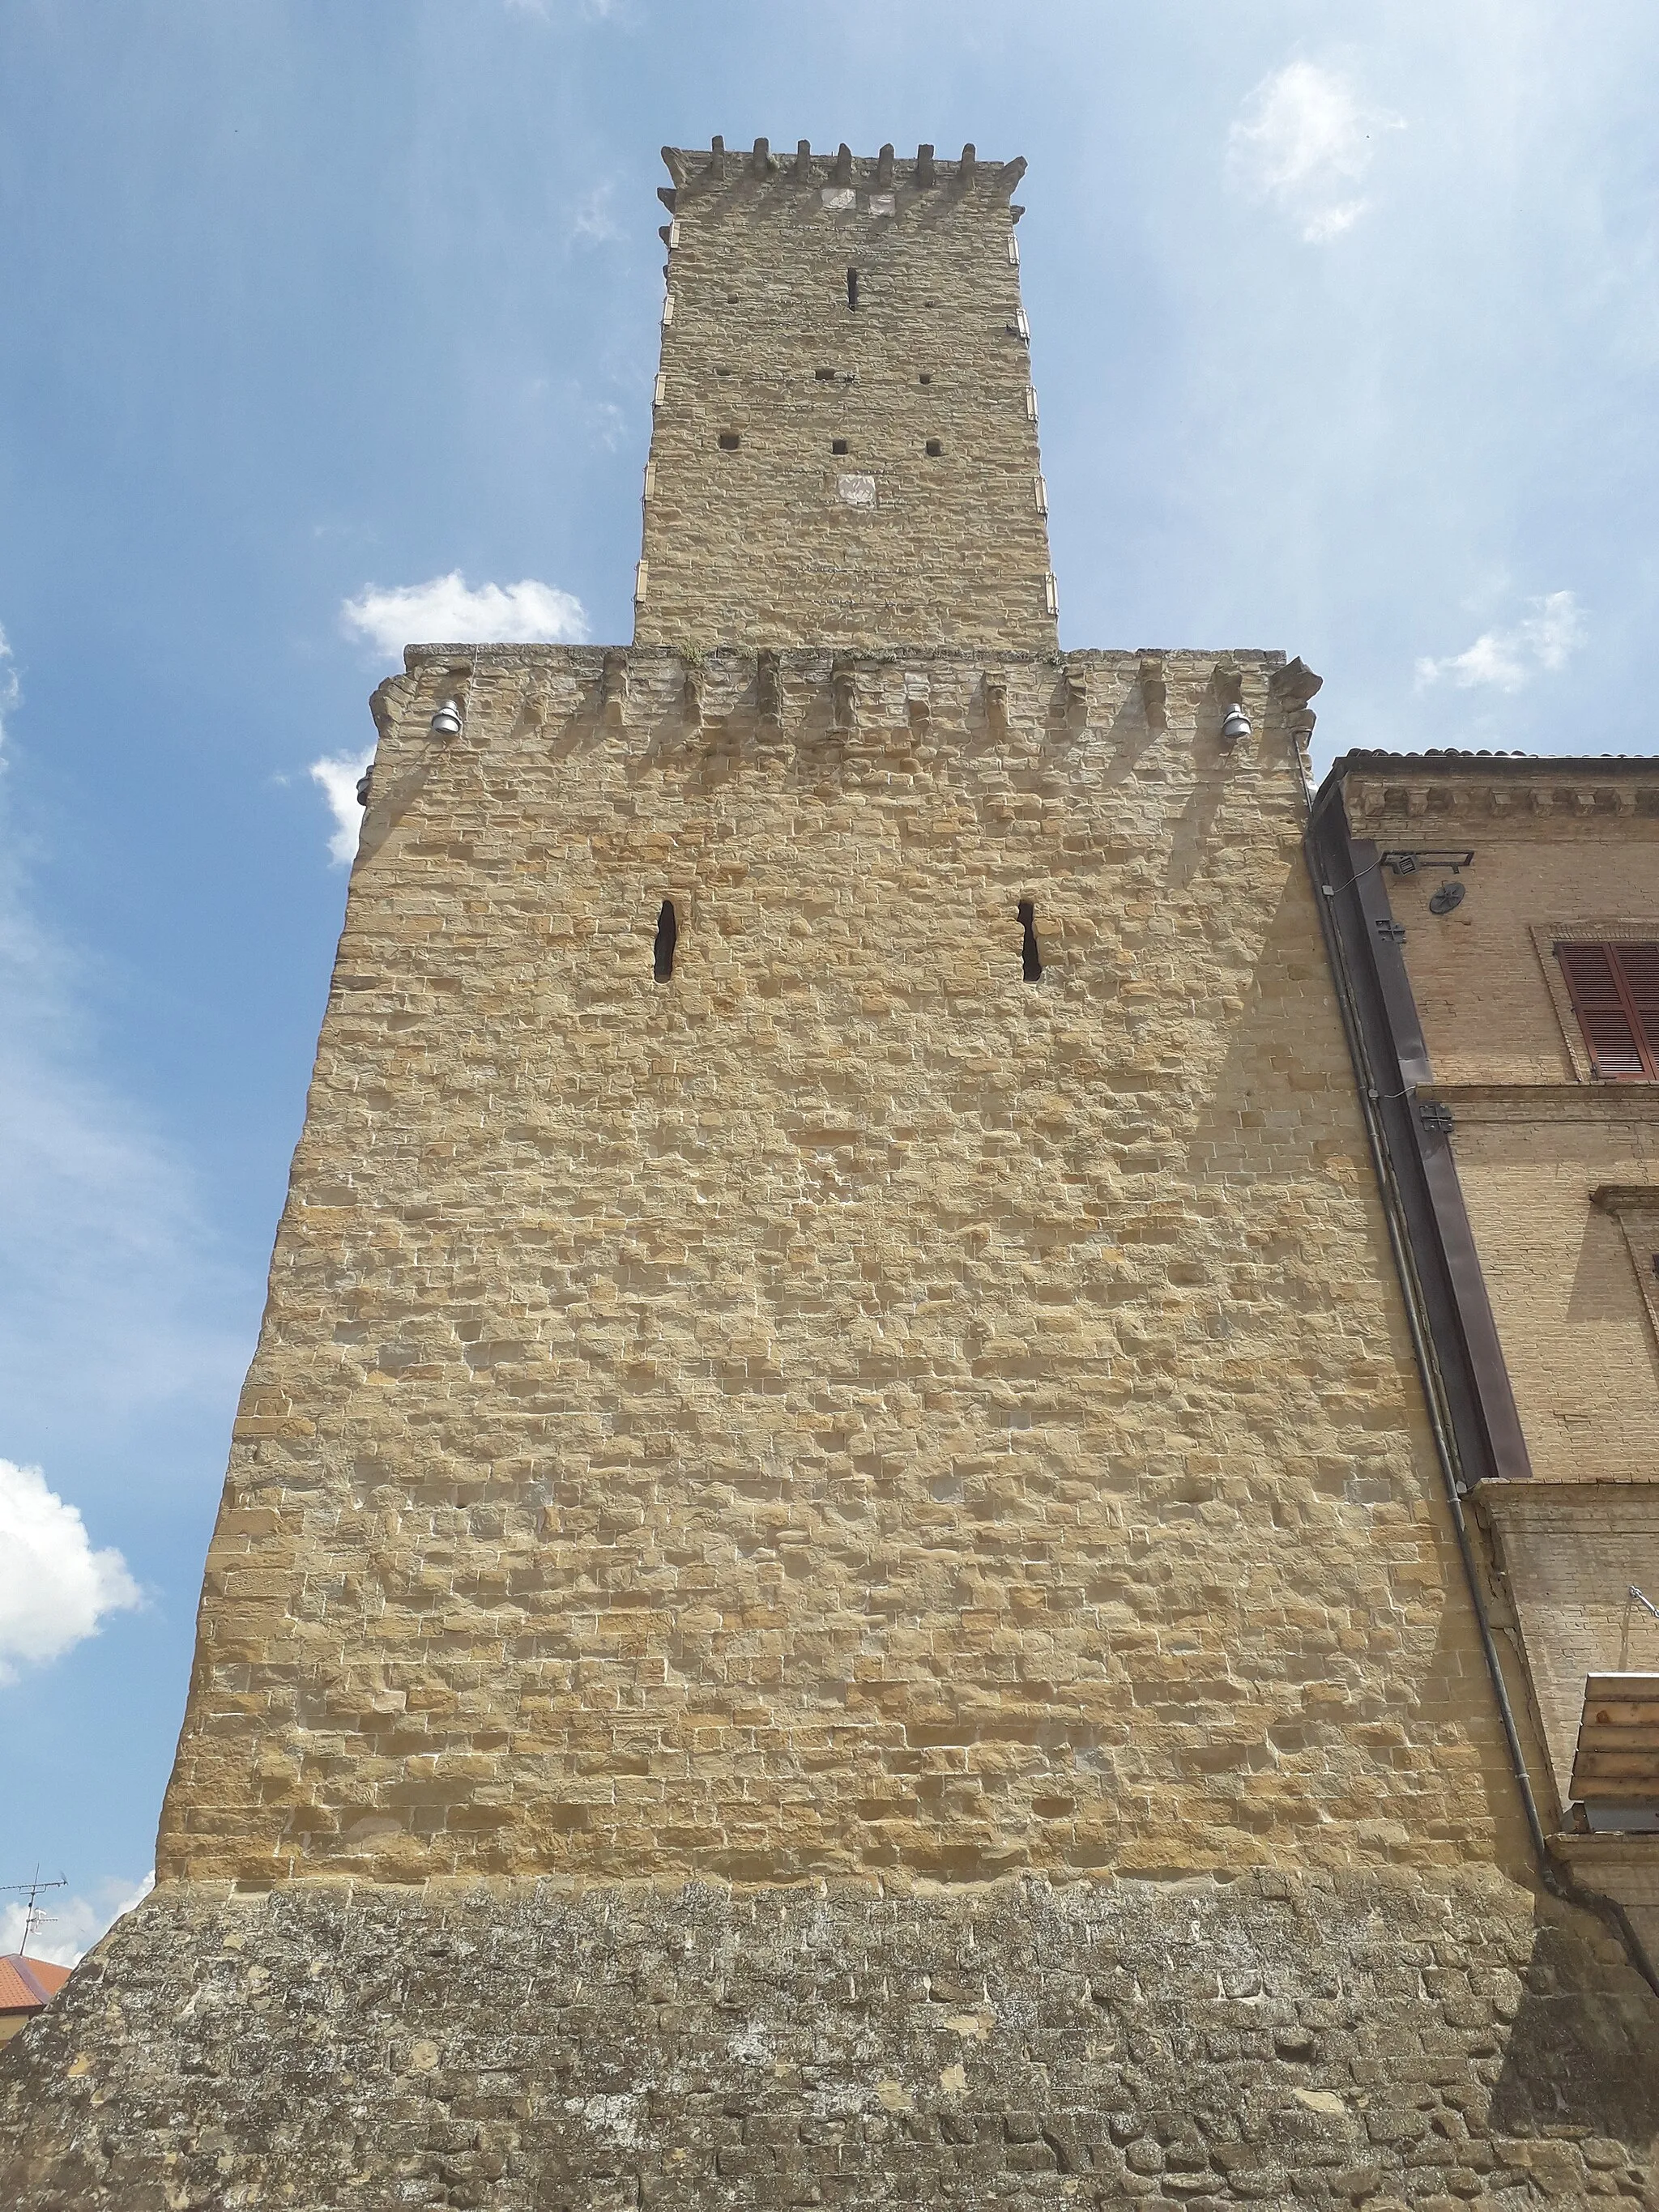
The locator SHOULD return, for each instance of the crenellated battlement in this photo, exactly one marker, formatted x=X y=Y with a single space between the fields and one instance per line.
x=896 y=695
x=698 y=171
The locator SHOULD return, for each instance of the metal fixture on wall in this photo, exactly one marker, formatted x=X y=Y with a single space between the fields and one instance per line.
x=1406 y=860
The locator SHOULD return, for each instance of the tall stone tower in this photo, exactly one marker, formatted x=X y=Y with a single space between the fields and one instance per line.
x=835 y=1585
x=844 y=452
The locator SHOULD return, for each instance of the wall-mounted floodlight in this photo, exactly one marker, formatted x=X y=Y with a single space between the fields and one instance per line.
x=446 y=722
x=1236 y=724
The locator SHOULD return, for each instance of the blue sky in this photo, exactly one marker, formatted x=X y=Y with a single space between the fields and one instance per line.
x=1345 y=322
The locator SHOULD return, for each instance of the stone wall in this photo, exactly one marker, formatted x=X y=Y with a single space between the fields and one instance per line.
x=1354 y=2040
x=929 y=528
x=846 y=1407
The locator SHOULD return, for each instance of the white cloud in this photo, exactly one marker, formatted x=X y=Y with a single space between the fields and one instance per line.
x=66 y=1929
x=1303 y=140
x=54 y=1588
x=1333 y=222
x=594 y=219
x=338 y=773
x=448 y=611
x=1541 y=642
x=10 y=692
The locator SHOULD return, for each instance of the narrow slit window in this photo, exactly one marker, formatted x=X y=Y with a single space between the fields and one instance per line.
x=1030 y=960
x=851 y=287
x=1614 y=989
x=668 y=935
x=730 y=441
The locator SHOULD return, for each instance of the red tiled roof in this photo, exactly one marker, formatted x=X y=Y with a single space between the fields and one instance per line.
x=26 y=1983
x=1524 y=764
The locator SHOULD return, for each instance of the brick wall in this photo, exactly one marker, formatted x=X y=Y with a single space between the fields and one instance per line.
x=1580 y=852
x=1569 y=1552
x=1565 y=847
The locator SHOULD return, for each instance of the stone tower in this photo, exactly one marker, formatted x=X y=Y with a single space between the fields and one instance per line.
x=834 y=1584
x=844 y=448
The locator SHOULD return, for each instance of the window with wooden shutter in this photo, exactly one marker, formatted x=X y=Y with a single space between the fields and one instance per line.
x=1614 y=989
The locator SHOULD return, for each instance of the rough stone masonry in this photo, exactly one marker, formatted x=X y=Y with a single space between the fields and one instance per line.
x=832 y=1587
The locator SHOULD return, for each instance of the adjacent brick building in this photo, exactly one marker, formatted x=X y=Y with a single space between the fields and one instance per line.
x=838 y=1582
x=1512 y=905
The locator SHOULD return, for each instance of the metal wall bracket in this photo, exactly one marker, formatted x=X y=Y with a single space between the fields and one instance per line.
x=1408 y=859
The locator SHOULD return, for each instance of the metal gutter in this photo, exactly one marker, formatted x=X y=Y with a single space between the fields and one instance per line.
x=1416 y=1134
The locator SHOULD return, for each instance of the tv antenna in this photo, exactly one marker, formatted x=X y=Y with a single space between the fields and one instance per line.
x=32 y=1916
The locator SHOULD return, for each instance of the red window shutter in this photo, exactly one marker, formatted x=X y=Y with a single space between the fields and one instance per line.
x=1612 y=1025
x=1638 y=966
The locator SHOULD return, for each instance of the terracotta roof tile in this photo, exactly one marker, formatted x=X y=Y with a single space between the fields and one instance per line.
x=26 y=1983
x=1495 y=758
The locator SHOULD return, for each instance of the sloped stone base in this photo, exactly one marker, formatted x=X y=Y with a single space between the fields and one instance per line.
x=1357 y=2040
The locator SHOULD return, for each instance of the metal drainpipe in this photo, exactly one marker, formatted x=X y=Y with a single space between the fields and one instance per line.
x=1558 y=1879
